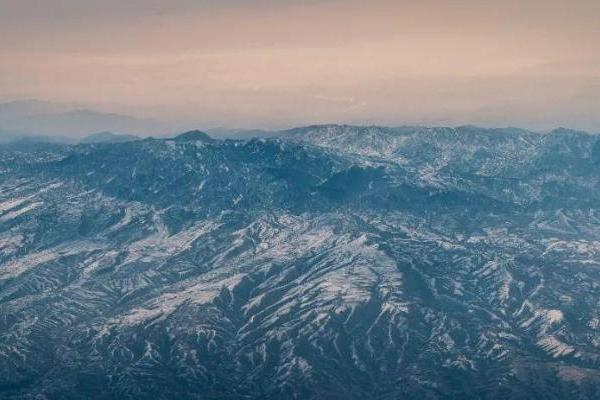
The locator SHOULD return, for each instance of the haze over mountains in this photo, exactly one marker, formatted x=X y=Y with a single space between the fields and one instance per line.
x=56 y=122
x=40 y=118
x=306 y=200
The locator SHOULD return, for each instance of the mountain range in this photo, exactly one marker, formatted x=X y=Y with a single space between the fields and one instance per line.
x=41 y=118
x=323 y=262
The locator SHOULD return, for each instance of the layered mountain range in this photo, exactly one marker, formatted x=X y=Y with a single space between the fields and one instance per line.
x=330 y=262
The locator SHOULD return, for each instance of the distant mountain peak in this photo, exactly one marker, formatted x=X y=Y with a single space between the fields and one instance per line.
x=194 y=135
x=108 y=137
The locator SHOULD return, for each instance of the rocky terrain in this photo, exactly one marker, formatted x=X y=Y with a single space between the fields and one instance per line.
x=331 y=262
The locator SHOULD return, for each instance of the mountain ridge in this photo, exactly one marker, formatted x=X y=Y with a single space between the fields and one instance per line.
x=453 y=264
x=108 y=137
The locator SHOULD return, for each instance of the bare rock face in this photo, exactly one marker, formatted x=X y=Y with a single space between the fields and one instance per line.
x=333 y=262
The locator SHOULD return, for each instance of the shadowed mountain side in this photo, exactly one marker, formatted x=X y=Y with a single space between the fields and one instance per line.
x=333 y=262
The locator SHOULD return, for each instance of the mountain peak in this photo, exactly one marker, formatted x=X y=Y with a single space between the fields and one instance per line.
x=193 y=136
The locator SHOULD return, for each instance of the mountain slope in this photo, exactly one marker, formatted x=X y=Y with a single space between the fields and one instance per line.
x=428 y=263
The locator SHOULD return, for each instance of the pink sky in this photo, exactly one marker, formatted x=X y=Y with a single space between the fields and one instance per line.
x=273 y=64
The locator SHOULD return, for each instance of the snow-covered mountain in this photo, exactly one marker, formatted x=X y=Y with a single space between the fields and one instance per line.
x=332 y=262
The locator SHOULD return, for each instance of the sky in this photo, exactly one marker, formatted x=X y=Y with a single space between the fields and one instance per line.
x=275 y=64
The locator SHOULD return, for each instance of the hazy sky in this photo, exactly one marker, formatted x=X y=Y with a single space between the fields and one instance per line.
x=273 y=64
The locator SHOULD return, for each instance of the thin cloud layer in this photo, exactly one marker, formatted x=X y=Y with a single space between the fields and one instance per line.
x=274 y=64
